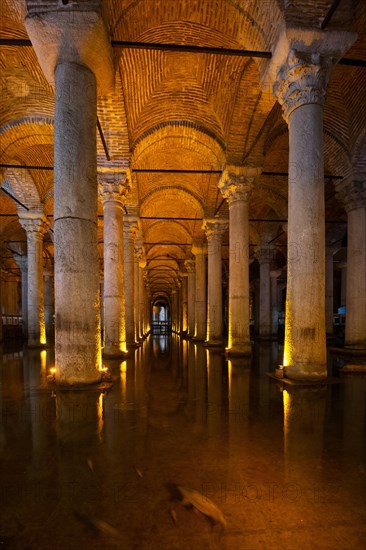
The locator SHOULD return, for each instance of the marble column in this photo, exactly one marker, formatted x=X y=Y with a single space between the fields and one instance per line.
x=235 y=185
x=303 y=64
x=353 y=195
x=184 y=309
x=130 y=229
x=200 y=312
x=274 y=300
x=35 y=225
x=22 y=262
x=190 y=265
x=75 y=54
x=214 y=229
x=113 y=189
x=49 y=303
x=142 y=296
x=264 y=257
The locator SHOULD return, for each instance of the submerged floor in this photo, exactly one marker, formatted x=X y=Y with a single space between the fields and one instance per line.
x=88 y=470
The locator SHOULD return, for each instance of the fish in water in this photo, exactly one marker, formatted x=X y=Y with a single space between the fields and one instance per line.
x=97 y=525
x=191 y=498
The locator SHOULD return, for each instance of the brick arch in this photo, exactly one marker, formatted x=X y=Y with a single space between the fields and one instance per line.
x=159 y=196
x=23 y=187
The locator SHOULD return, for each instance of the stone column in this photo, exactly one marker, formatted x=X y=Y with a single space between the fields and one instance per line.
x=22 y=262
x=137 y=298
x=353 y=194
x=35 y=225
x=184 y=290
x=190 y=265
x=113 y=190
x=274 y=301
x=130 y=228
x=2 y=252
x=200 y=251
x=264 y=256
x=142 y=295
x=303 y=63
x=49 y=308
x=235 y=185
x=74 y=51
x=214 y=229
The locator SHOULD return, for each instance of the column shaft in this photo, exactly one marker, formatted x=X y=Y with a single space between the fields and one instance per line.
x=329 y=283
x=129 y=232
x=305 y=344
x=265 y=328
x=77 y=322
x=190 y=265
x=49 y=308
x=200 y=294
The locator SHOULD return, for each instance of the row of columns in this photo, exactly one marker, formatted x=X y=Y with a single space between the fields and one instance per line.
x=300 y=79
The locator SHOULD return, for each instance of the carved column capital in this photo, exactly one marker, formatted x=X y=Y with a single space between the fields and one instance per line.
x=214 y=228
x=352 y=194
x=199 y=248
x=35 y=224
x=130 y=226
x=113 y=187
x=237 y=182
x=190 y=265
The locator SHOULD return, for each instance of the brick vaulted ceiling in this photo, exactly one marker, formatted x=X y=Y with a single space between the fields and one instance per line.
x=175 y=110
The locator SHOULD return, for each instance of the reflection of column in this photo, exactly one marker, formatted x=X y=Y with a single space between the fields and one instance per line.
x=130 y=228
x=49 y=308
x=354 y=416
x=353 y=194
x=301 y=89
x=22 y=263
x=191 y=269
x=113 y=190
x=214 y=229
x=238 y=402
x=200 y=252
x=235 y=185
x=304 y=414
x=215 y=405
x=35 y=225
x=274 y=300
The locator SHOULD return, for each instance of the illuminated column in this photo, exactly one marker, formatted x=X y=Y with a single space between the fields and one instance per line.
x=214 y=229
x=353 y=194
x=264 y=257
x=142 y=295
x=274 y=300
x=173 y=313
x=130 y=228
x=2 y=252
x=49 y=308
x=236 y=185
x=113 y=190
x=184 y=310
x=200 y=252
x=303 y=62
x=22 y=263
x=191 y=269
x=75 y=54
x=35 y=225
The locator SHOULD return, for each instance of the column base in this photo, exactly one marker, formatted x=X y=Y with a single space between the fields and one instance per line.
x=133 y=345
x=239 y=350
x=306 y=373
x=214 y=344
x=113 y=352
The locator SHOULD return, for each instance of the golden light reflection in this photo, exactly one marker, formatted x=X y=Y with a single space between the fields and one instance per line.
x=286 y=414
x=52 y=370
x=123 y=370
x=229 y=377
x=100 y=411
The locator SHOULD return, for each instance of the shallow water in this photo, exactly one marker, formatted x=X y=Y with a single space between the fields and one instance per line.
x=286 y=465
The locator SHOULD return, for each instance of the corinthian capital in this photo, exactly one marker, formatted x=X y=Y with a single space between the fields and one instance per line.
x=214 y=227
x=352 y=194
x=113 y=187
x=301 y=80
x=237 y=182
x=35 y=224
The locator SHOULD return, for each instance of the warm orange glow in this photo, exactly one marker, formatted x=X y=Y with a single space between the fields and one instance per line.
x=52 y=370
x=123 y=366
x=286 y=414
x=229 y=376
x=100 y=408
x=103 y=369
